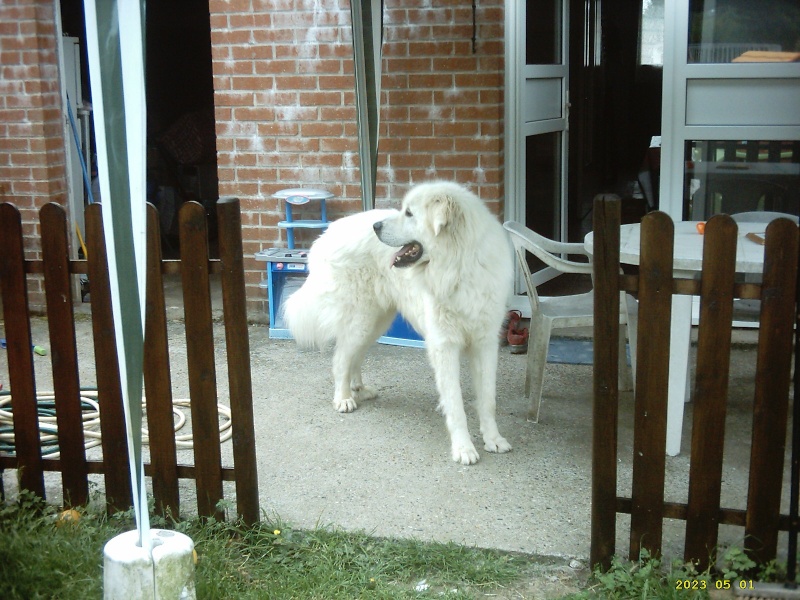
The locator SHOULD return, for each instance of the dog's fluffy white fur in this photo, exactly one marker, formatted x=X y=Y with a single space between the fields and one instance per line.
x=444 y=262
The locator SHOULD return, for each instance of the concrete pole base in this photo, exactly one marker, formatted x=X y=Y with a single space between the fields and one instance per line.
x=129 y=573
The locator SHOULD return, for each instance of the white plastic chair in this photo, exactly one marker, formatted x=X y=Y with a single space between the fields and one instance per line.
x=747 y=312
x=761 y=216
x=556 y=312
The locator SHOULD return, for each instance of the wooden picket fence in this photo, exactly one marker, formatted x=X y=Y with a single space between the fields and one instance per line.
x=654 y=285
x=194 y=267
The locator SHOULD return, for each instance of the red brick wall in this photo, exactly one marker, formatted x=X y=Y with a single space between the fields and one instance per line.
x=32 y=162
x=285 y=105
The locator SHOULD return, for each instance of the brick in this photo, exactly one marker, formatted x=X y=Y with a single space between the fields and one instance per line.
x=455 y=63
x=251 y=52
x=488 y=146
x=223 y=37
x=411 y=129
x=228 y=6
x=337 y=113
x=338 y=82
x=268 y=129
x=252 y=83
x=336 y=50
x=320 y=129
x=456 y=128
x=479 y=113
x=432 y=144
x=302 y=144
x=432 y=112
x=341 y=144
x=245 y=113
x=410 y=97
x=292 y=82
x=272 y=35
x=279 y=159
x=410 y=65
x=282 y=67
x=320 y=98
x=456 y=95
x=322 y=66
x=233 y=67
x=456 y=160
x=273 y=98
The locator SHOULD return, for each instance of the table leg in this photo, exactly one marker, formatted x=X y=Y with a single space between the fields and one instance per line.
x=679 y=385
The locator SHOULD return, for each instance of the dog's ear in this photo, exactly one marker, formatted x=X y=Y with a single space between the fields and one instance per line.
x=445 y=211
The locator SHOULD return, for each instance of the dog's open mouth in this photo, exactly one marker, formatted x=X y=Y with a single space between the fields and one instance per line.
x=407 y=255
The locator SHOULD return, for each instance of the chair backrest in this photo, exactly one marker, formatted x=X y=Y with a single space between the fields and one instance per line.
x=548 y=251
x=761 y=216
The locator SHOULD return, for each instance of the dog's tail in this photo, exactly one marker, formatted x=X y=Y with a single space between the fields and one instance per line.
x=302 y=312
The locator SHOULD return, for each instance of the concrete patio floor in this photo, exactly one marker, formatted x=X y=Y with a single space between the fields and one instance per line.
x=386 y=469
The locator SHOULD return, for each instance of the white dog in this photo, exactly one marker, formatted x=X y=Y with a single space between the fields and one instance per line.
x=450 y=279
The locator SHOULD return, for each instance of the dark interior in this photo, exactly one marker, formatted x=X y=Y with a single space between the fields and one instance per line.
x=616 y=108
x=180 y=104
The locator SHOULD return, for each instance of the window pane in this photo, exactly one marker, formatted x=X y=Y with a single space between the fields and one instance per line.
x=738 y=176
x=543 y=32
x=724 y=31
x=543 y=183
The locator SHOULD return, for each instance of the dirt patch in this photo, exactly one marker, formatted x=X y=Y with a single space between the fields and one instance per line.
x=544 y=578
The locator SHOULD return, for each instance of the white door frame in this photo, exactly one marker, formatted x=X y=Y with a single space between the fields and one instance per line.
x=517 y=129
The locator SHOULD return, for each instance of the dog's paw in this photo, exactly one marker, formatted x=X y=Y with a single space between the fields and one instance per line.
x=364 y=392
x=497 y=444
x=465 y=453
x=344 y=405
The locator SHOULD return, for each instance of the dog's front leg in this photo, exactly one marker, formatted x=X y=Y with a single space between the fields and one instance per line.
x=445 y=362
x=483 y=359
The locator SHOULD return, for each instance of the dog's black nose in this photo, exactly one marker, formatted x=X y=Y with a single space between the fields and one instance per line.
x=377 y=226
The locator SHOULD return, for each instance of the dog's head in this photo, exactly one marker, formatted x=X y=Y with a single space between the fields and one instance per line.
x=428 y=212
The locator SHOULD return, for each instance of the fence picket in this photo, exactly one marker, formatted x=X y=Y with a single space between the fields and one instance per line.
x=711 y=389
x=14 y=288
x=109 y=388
x=773 y=367
x=158 y=379
x=64 y=353
x=200 y=353
x=605 y=382
x=238 y=350
x=652 y=376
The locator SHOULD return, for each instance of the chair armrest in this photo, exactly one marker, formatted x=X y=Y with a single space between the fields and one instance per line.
x=549 y=251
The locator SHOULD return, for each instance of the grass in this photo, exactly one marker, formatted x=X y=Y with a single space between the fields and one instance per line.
x=43 y=557
x=39 y=559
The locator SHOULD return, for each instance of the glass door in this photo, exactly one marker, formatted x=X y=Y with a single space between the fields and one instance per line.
x=545 y=107
x=731 y=107
x=537 y=117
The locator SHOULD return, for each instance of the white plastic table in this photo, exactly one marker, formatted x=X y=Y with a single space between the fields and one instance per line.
x=687 y=261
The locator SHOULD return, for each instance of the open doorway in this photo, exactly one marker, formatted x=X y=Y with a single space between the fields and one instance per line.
x=583 y=93
x=583 y=101
x=181 y=159
x=616 y=73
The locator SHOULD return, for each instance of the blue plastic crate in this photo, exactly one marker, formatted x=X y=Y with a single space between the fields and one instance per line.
x=401 y=333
